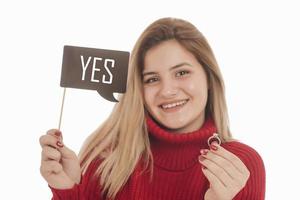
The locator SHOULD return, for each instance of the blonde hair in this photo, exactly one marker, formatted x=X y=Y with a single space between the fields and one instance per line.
x=122 y=140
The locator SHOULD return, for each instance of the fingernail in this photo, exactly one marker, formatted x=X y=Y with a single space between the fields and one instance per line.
x=201 y=158
x=59 y=144
x=214 y=146
x=204 y=151
x=57 y=133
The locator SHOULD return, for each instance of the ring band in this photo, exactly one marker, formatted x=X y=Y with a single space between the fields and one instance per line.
x=214 y=137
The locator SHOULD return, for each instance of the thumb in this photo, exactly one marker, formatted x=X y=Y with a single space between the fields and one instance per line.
x=70 y=162
x=66 y=153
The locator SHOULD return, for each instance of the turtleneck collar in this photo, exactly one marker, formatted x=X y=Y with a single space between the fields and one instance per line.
x=178 y=151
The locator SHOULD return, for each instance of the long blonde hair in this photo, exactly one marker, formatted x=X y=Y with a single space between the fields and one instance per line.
x=122 y=140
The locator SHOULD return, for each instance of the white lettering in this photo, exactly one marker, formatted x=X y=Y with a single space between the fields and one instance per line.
x=108 y=71
x=95 y=69
x=84 y=66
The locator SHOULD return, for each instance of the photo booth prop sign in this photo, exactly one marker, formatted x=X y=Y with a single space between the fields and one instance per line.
x=95 y=69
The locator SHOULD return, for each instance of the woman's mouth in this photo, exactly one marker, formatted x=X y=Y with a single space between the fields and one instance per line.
x=174 y=106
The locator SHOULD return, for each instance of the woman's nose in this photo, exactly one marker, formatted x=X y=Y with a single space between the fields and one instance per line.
x=169 y=90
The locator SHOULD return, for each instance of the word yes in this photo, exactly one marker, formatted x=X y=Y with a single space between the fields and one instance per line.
x=94 y=69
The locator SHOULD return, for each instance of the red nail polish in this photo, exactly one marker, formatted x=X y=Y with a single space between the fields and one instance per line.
x=204 y=151
x=57 y=133
x=59 y=144
x=201 y=158
x=214 y=147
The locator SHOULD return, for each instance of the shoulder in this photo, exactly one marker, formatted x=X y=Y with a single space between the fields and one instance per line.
x=250 y=157
x=90 y=170
x=90 y=176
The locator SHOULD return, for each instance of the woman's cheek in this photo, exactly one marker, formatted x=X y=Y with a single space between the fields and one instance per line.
x=191 y=87
x=198 y=91
x=149 y=95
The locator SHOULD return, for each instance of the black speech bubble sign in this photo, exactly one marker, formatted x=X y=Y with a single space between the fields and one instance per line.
x=95 y=69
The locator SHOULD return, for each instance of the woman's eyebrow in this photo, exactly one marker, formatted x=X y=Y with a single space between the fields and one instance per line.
x=179 y=65
x=171 y=68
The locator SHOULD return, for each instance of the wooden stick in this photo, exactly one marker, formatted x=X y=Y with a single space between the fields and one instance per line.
x=61 y=109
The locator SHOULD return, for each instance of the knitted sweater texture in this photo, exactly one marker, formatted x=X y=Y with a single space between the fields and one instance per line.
x=177 y=172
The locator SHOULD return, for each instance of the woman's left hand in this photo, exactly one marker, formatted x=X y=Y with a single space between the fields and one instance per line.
x=225 y=172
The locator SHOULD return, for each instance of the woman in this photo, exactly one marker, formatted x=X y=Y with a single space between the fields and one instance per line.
x=154 y=144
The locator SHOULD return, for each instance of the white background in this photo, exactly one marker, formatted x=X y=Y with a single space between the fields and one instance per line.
x=256 y=44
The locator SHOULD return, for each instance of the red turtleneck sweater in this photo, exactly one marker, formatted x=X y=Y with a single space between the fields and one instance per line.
x=177 y=172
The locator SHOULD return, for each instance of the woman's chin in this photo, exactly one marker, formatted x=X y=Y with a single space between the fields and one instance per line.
x=173 y=127
x=171 y=124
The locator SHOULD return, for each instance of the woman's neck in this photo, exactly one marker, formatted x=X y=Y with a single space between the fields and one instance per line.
x=177 y=152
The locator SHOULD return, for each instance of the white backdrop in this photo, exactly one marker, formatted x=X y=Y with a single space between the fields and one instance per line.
x=256 y=44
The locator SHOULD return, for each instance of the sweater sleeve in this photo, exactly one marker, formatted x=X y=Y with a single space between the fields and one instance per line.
x=87 y=189
x=255 y=186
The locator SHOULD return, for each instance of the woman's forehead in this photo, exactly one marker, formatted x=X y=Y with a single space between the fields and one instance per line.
x=171 y=68
x=167 y=55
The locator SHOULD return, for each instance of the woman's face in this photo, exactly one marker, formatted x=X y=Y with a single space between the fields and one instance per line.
x=175 y=87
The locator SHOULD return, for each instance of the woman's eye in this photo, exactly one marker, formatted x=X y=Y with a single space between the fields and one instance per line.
x=151 y=80
x=181 y=73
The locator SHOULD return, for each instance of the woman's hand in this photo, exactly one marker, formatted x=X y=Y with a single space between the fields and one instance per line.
x=59 y=165
x=225 y=172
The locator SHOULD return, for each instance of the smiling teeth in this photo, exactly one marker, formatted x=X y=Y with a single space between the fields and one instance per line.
x=174 y=104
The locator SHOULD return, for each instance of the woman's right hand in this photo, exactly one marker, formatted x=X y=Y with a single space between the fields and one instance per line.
x=59 y=165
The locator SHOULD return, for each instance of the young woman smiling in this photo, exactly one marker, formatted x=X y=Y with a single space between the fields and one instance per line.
x=154 y=145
